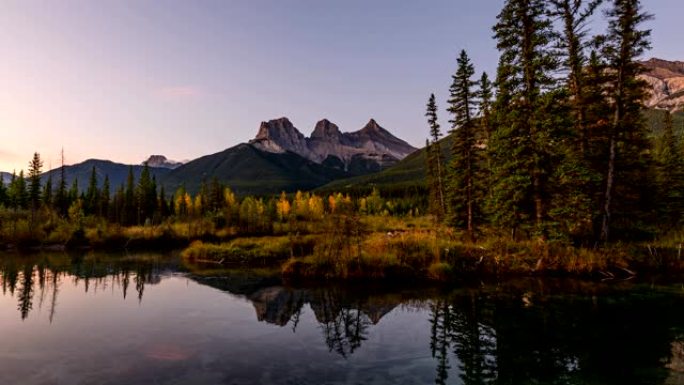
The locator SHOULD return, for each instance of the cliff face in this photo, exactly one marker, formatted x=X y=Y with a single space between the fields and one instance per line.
x=161 y=161
x=666 y=81
x=371 y=147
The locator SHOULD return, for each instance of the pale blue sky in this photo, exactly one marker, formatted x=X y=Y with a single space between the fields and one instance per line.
x=124 y=79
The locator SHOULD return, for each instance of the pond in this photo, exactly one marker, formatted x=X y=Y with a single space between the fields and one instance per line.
x=152 y=319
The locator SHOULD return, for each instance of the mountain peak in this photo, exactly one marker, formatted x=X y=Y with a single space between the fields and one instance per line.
x=279 y=135
x=325 y=129
x=372 y=125
x=161 y=161
x=666 y=82
x=371 y=147
x=280 y=128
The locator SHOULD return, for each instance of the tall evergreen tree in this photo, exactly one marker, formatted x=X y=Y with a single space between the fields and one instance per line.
x=464 y=165
x=34 y=188
x=435 y=161
x=574 y=15
x=627 y=174
x=520 y=147
x=146 y=195
x=485 y=96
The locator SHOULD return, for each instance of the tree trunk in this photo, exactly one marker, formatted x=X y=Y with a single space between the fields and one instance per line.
x=469 y=194
x=440 y=186
x=610 y=176
x=605 y=226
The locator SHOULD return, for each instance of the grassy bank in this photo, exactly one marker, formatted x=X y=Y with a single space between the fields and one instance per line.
x=346 y=248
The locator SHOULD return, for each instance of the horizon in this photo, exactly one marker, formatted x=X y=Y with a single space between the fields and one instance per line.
x=121 y=81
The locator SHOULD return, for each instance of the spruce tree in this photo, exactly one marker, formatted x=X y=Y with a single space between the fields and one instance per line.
x=485 y=96
x=462 y=188
x=34 y=188
x=627 y=183
x=435 y=161
x=521 y=145
x=574 y=15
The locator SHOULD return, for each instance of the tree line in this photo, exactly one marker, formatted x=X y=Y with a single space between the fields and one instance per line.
x=556 y=146
x=143 y=201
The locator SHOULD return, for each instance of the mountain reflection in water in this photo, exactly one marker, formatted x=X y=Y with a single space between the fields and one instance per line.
x=514 y=332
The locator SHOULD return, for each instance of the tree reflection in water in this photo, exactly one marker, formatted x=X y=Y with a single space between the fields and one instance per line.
x=456 y=328
x=513 y=332
x=23 y=275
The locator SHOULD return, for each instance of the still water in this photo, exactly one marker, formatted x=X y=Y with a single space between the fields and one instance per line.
x=151 y=319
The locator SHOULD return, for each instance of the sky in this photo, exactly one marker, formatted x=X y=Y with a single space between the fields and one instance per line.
x=121 y=80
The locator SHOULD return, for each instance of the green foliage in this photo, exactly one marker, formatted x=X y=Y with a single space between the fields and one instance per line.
x=34 y=190
x=435 y=162
x=464 y=178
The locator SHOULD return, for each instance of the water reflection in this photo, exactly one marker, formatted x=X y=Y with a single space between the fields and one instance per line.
x=23 y=276
x=528 y=331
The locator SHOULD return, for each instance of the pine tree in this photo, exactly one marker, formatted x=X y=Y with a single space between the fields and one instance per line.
x=627 y=175
x=34 y=189
x=520 y=147
x=435 y=161
x=464 y=165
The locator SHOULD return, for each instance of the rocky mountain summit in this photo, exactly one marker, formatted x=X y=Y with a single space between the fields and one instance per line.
x=666 y=79
x=368 y=149
x=160 y=161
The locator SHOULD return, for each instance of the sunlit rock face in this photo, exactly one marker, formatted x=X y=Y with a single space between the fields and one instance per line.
x=160 y=161
x=666 y=84
x=368 y=149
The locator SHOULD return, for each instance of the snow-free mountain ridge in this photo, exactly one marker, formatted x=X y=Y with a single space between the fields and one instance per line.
x=328 y=145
